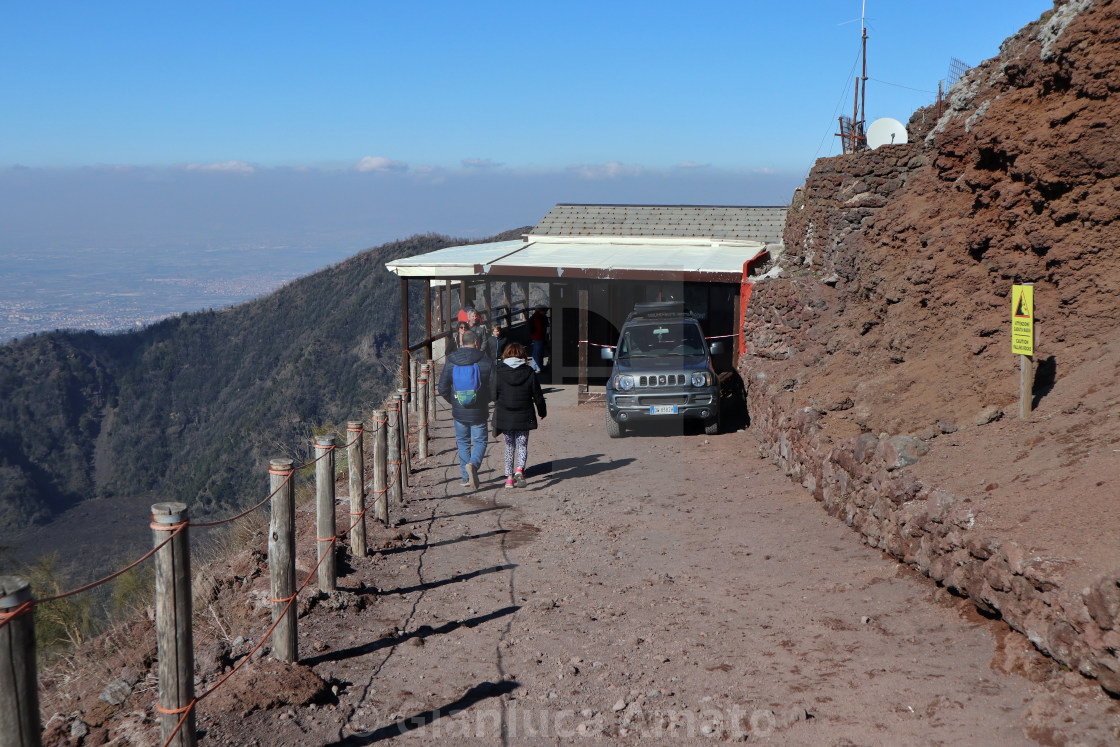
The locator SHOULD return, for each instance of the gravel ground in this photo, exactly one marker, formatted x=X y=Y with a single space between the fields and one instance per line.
x=666 y=587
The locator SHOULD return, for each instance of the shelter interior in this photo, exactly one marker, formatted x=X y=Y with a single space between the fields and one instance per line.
x=587 y=265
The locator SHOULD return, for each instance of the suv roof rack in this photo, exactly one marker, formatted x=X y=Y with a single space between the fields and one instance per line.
x=659 y=309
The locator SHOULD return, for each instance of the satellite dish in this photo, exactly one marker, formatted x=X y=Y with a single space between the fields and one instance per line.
x=885 y=131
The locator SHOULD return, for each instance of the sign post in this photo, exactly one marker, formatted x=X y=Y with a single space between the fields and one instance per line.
x=1022 y=342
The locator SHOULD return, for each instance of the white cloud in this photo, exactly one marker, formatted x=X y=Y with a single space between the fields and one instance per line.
x=228 y=167
x=610 y=170
x=479 y=163
x=764 y=170
x=693 y=165
x=380 y=163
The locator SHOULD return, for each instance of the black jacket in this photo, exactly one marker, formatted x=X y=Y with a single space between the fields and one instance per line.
x=518 y=392
x=480 y=411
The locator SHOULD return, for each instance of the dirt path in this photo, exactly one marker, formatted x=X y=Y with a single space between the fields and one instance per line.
x=664 y=586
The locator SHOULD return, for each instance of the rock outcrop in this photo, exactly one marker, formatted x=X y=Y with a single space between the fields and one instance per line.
x=887 y=324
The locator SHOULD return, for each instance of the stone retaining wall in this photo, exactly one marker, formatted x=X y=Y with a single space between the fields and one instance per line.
x=864 y=481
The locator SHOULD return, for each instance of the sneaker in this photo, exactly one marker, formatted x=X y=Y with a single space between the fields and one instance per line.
x=519 y=478
x=509 y=482
x=465 y=482
x=472 y=477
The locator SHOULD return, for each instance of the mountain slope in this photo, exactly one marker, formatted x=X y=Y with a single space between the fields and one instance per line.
x=192 y=408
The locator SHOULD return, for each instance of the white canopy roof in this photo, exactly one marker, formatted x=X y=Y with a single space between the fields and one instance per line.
x=598 y=257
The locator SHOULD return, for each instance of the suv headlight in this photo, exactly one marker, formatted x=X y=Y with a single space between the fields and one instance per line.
x=699 y=378
x=625 y=383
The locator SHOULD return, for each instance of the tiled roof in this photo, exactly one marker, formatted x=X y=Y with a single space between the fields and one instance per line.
x=678 y=221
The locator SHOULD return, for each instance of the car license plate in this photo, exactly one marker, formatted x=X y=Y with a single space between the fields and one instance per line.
x=663 y=410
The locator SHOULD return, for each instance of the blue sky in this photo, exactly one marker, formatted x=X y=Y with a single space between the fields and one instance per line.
x=378 y=119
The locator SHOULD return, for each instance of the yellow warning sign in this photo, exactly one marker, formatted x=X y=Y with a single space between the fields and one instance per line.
x=1022 y=319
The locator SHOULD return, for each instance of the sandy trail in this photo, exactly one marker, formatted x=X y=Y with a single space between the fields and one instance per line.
x=672 y=587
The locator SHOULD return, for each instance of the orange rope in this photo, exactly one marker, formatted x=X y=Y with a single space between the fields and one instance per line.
x=287 y=479
x=173 y=528
x=5 y=617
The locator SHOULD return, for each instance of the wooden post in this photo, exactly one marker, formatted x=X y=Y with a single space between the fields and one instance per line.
x=415 y=375
x=380 y=457
x=462 y=295
x=582 y=392
x=507 y=303
x=355 y=460
x=282 y=559
x=1026 y=378
x=393 y=461
x=19 y=682
x=405 y=355
x=433 y=378
x=422 y=418
x=406 y=441
x=325 y=528
x=428 y=319
x=486 y=315
x=174 y=637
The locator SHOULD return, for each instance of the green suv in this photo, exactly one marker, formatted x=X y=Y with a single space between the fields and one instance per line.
x=662 y=370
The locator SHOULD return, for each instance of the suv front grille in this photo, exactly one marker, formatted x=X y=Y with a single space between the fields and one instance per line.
x=662 y=380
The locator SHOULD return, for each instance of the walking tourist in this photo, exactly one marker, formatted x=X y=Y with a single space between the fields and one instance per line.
x=465 y=383
x=517 y=403
x=538 y=334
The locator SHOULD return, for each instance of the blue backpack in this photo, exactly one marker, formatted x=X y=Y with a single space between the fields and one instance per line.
x=466 y=381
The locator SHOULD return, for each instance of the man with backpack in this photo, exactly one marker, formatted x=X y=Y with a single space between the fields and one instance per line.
x=465 y=383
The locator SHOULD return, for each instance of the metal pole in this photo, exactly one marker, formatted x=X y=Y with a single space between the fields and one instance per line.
x=324 y=512
x=174 y=636
x=427 y=319
x=19 y=682
x=405 y=355
x=582 y=392
x=282 y=559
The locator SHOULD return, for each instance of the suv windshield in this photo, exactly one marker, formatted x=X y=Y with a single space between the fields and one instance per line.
x=661 y=339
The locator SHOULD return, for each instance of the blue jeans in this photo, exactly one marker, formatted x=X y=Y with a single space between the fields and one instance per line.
x=537 y=347
x=472 y=445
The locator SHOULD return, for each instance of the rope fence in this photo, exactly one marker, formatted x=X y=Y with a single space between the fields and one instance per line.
x=391 y=438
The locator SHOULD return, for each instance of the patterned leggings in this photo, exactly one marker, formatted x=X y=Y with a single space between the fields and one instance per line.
x=516 y=441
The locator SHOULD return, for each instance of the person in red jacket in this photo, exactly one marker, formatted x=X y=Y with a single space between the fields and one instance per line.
x=538 y=334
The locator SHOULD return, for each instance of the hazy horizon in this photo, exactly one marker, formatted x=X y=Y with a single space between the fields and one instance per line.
x=106 y=248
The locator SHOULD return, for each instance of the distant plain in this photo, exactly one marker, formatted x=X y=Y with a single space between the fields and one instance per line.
x=117 y=289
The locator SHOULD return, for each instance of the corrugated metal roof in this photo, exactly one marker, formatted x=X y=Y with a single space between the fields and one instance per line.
x=693 y=221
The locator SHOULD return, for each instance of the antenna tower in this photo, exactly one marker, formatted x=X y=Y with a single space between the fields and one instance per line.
x=852 y=137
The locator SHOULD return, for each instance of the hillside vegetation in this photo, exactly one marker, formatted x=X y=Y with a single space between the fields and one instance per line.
x=192 y=408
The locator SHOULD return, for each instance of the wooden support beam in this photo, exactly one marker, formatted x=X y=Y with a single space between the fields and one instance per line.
x=428 y=333
x=405 y=355
x=583 y=304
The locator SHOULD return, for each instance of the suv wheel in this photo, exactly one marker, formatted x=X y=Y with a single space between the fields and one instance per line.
x=614 y=430
x=712 y=428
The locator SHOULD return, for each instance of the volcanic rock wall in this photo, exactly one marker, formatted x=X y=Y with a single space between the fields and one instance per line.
x=894 y=289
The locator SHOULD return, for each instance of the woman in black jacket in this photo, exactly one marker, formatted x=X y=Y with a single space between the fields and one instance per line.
x=517 y=402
